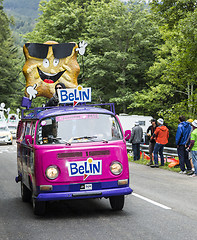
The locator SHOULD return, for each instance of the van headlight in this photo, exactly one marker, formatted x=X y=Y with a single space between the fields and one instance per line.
x=52 y=172
x=116 y=168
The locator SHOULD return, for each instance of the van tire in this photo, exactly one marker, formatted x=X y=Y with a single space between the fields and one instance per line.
x=39 y=207
x=117 y=202
x=25 y=193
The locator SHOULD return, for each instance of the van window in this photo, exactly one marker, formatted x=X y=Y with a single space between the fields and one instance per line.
x=78 y=128
x=33 y=130
x=21 y=130
x=27 y=130
x=142 y=123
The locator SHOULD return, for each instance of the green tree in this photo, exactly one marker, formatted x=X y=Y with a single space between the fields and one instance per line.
x=8 y=63
x=169 y=12
x=172 y=91
x=174 y=71
x=61 y=21
x=122 y=40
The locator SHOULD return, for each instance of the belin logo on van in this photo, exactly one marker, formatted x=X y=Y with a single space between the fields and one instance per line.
x=74 y=95
x=85 y=168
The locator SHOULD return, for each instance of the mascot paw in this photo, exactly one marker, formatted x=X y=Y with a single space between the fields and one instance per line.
x=82 y=47
x=32 y=91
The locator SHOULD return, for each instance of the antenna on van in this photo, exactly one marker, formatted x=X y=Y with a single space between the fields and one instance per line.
x=83 y=70
x=81 y=49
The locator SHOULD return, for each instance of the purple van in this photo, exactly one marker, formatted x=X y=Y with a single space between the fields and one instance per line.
x=72 y=153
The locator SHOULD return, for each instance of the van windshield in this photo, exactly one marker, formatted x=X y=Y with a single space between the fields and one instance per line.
x=76 y=128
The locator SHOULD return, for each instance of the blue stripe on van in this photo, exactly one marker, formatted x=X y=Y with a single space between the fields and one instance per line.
x=76 y=187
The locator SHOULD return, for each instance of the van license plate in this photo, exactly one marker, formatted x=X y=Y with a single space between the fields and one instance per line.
x=86 y=186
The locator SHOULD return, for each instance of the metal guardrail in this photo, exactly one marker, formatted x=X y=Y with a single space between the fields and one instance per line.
x=168 y=152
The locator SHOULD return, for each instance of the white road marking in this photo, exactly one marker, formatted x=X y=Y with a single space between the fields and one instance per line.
x=151 y=201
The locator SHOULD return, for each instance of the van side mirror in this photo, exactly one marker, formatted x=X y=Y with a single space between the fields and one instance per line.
x=28 y=139
x=127 y=135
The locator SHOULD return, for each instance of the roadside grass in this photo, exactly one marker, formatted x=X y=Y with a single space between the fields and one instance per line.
x=144 y=162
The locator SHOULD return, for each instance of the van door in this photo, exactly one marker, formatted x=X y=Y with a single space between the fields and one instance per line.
x=20 y=136
x=25 y=155
x=30 y=153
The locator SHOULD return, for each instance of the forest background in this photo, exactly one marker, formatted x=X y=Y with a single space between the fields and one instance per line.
x=141 y=55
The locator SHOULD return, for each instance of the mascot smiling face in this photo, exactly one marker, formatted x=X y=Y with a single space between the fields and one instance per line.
x=48 y=64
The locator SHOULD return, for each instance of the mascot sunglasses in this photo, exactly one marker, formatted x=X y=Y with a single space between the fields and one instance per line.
x=39 y=50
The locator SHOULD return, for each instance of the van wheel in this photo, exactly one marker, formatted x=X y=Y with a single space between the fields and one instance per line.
x=39 y=208
x=117 y=202
x=25 y=193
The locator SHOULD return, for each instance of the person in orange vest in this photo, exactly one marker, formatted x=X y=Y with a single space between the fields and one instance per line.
x=161 y=136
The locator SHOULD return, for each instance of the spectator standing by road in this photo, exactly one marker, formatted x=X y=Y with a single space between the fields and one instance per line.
x=193 y=146
x=151 y=129
x=182 y=134
x=161 y=136
x=188 y=143
x=136 y=139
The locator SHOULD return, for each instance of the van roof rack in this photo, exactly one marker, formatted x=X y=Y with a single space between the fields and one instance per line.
x=32 y=113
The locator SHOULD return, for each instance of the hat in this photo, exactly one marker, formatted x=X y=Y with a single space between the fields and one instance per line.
x=153 y=120
x=160 y=121
x=194 y=123
x=137 y=123
x=190 y=120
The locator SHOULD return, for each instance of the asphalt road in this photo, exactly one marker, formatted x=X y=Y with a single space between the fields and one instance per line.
x=163 y=206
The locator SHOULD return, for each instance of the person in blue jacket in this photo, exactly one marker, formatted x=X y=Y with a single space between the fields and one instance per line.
x=182 y=134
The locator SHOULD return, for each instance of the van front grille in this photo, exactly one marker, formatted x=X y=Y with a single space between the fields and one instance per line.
x=69 y=155
x=97 y=153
